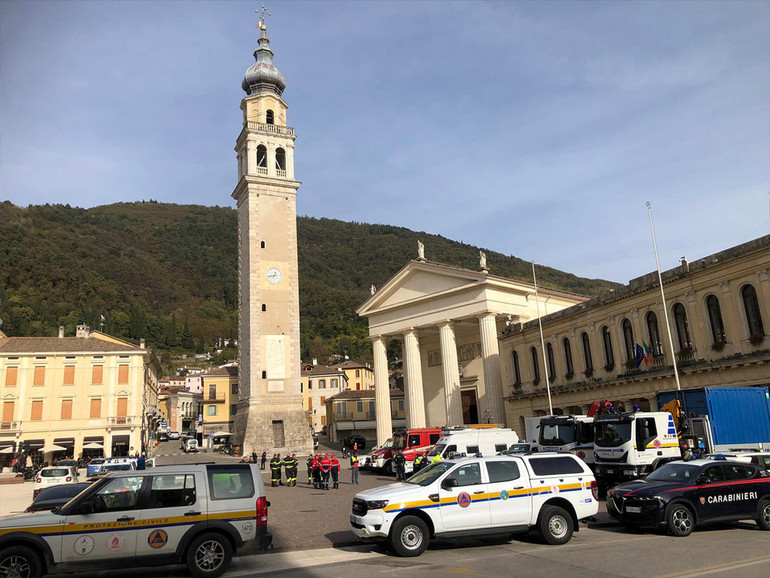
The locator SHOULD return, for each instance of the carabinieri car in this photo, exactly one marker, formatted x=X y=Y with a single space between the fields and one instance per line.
x=683 y=494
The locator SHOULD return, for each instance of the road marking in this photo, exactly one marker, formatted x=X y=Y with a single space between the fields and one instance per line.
x=713 y=569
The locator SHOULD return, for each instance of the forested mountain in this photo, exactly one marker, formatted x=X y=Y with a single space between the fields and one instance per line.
x=169 y=273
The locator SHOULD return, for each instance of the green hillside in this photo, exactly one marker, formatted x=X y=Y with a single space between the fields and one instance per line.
x=169 y=273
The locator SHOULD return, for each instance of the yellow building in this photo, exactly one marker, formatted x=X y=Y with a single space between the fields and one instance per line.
x=88 y=394
x=317 y=384
x=360 y=375
x=220 y=399
x=354 y=411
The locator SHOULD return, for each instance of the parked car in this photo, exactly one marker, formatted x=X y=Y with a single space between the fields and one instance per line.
x=55 y=496
x=520 y=448
x=174 y=435
x=54 y=475
x=353 y=440
x=197 y=515
x=163 y=437
x=190 y=445
x=93 y=466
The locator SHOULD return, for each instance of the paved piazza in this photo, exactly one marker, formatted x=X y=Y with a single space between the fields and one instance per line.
x=311 y=538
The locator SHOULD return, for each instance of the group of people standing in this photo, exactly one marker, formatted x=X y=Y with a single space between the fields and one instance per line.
x=290 y=465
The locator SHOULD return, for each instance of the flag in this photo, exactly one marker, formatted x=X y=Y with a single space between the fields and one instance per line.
x=639 y=356
x=648 y=357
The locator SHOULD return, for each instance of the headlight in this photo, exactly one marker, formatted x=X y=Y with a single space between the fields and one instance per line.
x=647 y=498
x=376 y=504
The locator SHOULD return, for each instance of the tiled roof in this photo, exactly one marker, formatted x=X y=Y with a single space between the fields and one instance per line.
x=41 y=345
x=319 y=370
x=353 y=365
x=362 y=394
x=227 y=370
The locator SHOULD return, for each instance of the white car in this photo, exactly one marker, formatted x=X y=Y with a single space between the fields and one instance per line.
x=173 y=435
x=54 y=475
x=191 y=445
x=500 y=495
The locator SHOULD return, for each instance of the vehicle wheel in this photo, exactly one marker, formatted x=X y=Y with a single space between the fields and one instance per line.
x=409 y=536
x=680 y=520
x=555 y=525
x=387 y=469
x=209 y=555
x=763 y=521
x=21 y=562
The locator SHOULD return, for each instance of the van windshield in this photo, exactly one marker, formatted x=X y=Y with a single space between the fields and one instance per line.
x=399 y=441
x=436 y=450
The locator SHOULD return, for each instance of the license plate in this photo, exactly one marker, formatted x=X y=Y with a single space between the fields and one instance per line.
x=633 y=509
x=610 y=471
x=353 y=519
x=52 y=481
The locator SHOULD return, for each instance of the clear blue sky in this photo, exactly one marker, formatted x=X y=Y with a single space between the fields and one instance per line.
x=537 y=129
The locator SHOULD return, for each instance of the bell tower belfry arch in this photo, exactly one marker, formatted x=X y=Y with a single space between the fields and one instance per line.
x=269 y=414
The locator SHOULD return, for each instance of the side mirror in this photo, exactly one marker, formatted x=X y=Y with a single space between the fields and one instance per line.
x=449 y=483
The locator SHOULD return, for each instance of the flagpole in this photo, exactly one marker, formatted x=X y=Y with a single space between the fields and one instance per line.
x=542 y=342
x=663 y=296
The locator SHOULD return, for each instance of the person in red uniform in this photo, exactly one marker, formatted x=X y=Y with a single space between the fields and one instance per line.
x=326 y=466
x=335 y=472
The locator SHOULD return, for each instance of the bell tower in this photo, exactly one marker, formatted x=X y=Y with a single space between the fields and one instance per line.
x=269 y=414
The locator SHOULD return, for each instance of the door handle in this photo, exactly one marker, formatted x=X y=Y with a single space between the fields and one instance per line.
x=191 y=513
x=519 y=488
x=479 y=492
x=124 y=519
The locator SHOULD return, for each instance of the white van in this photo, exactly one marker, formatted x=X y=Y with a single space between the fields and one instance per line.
x=470 y=441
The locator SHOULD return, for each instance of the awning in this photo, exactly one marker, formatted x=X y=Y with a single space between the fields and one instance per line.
x=8 y=450
x=221 y=434
x=93 y=446
x=64 y=442
x=52 y=448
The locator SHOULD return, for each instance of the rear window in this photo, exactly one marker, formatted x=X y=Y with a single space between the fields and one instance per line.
x=55 y=473
x=502 y=471
x=228 y=483
x=555 y=465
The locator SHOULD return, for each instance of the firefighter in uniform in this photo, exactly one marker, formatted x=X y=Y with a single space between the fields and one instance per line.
x=275 y=471
x=335 y=472
x=400 y=463
x=317 y=472
x=309 y=463
x=287 y=465
x=326 y=466
x=418 y=463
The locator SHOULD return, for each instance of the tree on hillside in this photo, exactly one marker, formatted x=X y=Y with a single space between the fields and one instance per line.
x=187 y=342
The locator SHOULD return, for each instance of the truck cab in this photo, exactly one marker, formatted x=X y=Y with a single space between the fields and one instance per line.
x=568 y=433
x=629 y=445
x=414 y=442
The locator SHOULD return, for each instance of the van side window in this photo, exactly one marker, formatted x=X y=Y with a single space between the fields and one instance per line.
x=501 y=447
x=467 y=475
x=434 y=438
x=472 y=450
x=228 y=482
x=414 y=440
x=171 y=491
x=502 y=471
x=551 y=466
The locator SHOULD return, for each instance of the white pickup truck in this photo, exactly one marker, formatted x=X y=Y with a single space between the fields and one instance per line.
x=495 y=495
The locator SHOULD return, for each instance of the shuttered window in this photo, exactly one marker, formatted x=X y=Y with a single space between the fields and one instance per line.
x=96 y=374
x=69 y=375
x=123 y=373
x=39 y=375
x=37 y=410
x=11 y=374
x=122 y=406
x=66 y=409
x=96 y=407
x=8 y=410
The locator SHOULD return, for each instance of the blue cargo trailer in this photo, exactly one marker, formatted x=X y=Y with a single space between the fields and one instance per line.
x=739 y=417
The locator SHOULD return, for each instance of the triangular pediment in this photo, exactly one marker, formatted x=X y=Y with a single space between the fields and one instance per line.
x=418 y=281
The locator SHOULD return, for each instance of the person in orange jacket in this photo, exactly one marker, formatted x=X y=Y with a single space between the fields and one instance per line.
x=326 y=466
x=317 y=483
x=335 y=472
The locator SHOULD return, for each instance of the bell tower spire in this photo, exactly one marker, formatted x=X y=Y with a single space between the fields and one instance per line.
x=270 y=412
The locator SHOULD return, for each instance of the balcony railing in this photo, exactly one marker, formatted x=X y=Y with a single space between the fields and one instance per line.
x=686 y=355
x=121 y=420
x=10 y=425
x=271 y=128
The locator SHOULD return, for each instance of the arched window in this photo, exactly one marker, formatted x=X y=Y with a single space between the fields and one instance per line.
x=261 y=244
x=535 y=366
x=654 y=334
x=628 y=339
x=682 y=328
x=264 y=375
x=609 y=358
x=262 y=156
x=269 y=117
x=551 y=364
x=280 y=159
x=264 y=307
x=587 y=358
x=516 y=369
x=753 y=315
x=568 y=357
x=715 y=319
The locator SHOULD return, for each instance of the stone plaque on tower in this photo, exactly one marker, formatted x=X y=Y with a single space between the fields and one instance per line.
x=269 y=415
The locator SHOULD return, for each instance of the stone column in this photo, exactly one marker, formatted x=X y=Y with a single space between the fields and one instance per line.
x=413 y=382
x=451 y=373
x=493 y=381
x=381 y=391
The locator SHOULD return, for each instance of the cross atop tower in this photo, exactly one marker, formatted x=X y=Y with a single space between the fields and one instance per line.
x=261 y=25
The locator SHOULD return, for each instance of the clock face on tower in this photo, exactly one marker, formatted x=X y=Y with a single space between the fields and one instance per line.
x=274 y=275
